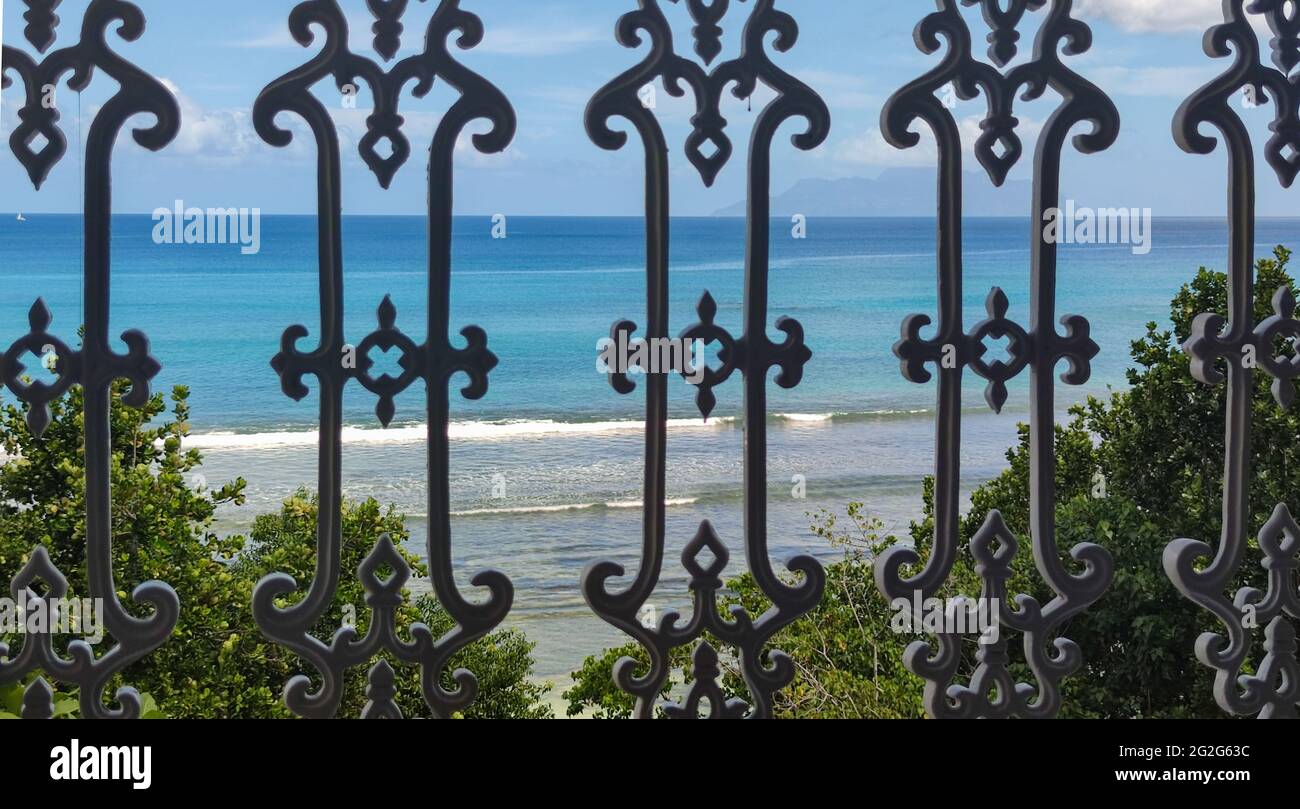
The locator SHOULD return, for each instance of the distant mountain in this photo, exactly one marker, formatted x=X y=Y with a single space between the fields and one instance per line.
x=896 y=192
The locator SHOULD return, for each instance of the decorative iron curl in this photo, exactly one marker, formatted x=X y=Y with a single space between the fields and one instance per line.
x=1212 y=104
x=39 y=115
x=750 y=637
x=620 y=97
x=94 y=366
x=80 y=668
x=1212 y=341
x=1201 y=572
x=1039 y=348
x=291 y=93
x=136 y=366
x=435 y=362
x=752 y=354
x=1274 y=690
x=1060 y=33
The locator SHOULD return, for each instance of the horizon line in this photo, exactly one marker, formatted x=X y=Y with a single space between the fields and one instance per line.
x=150 y=214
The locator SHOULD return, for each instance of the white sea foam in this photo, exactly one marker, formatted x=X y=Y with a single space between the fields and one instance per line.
x=504 y=430
x=464 y=431
x=807 y=418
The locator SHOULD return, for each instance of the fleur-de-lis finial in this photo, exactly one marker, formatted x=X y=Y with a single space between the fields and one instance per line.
x=381 y=693
x=1283 y=18
x=42 y=23
x=708 y=34
x=1004 y=19
x=388 y=26
x=38 y=700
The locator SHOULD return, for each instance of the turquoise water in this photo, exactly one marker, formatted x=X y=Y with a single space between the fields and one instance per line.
x=567 y=448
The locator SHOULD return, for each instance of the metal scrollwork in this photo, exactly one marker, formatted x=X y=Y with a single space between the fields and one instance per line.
x=435 y=362
x=95 y=365
x=752 y=355
x=1039 y=348
x=1200 y=572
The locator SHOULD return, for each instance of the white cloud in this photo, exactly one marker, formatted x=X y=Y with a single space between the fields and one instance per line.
x=870 y=148
x=211 y=134
x=227 y=136
x=279 y=38
x=536 y=40
x=468 y=155
x=1144 y=16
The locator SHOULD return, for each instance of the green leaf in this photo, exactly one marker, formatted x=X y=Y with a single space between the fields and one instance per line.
x=11 y=698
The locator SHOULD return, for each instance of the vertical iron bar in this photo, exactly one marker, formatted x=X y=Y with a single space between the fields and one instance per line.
x=96 y=366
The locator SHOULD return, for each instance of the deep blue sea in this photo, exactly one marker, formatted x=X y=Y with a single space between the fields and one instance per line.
x=566 y=446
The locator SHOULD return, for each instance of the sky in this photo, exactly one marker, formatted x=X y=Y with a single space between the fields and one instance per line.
x=551 y=56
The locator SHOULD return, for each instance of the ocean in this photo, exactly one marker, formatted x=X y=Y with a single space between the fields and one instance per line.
x=546 y=470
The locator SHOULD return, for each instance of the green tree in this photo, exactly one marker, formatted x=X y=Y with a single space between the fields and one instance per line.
x=1158 y=449
x=161 y=530
x=848 y=659
x=66 y=703
x=594 y=694
x=216 y=664
x=286 y=542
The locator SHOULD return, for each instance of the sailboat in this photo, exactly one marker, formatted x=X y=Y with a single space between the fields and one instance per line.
x=22 y=218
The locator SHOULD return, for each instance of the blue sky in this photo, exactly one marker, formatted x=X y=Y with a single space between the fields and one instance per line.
x=550 y=56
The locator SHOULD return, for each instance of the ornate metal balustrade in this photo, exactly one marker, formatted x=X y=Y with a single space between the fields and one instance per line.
x=1202 y=573
x=94 y=365
x=752 y=354
x=435 y=362
x=1270 y=688
x=991 y=691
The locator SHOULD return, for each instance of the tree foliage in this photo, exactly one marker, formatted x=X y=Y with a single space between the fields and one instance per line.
x=216 y=664
x=1134 y=471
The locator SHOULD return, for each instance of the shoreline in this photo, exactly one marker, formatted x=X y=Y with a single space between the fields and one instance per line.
x=567 y=506
x=507 y=429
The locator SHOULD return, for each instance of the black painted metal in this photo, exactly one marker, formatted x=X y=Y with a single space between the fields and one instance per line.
x=991 y=691
x=95 y=365
x=1273 y=690
x=435 y=362
x=752 y=354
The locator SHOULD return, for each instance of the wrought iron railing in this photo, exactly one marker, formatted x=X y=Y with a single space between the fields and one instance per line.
x=434 y=363
x=991 y=691
x=1269 y=689
x=752 y=354
x=93 y=365
x=1272 y=687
